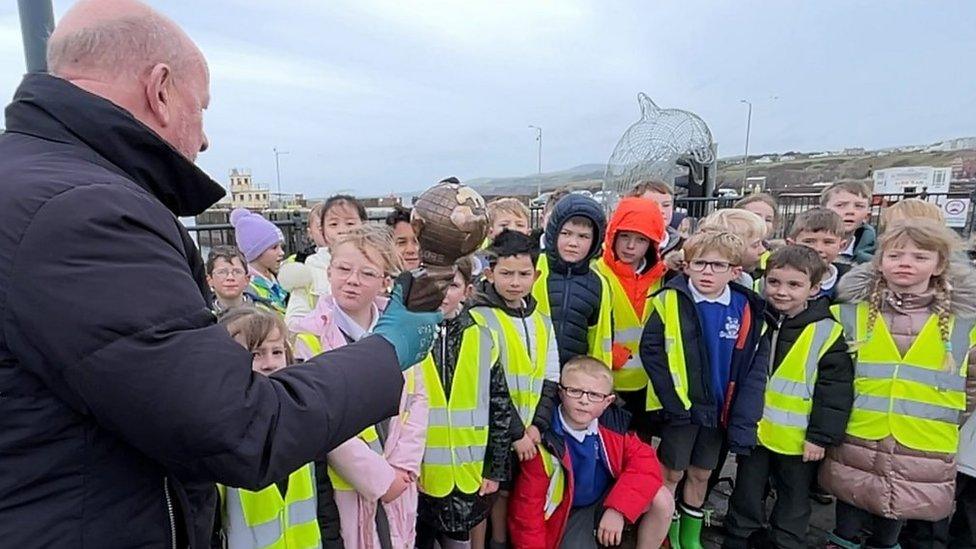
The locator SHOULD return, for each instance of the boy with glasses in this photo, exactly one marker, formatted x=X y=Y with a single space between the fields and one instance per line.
x=228 y=278
x=590 y=474
x=706 y=356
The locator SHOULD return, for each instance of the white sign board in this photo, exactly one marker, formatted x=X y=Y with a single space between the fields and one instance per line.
x=955 y=210
x=916 y=179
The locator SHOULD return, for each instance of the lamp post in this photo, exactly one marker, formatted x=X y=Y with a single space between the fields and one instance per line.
x=538 y=137
x=277 y=154
x=36 y=24
x=745 y=158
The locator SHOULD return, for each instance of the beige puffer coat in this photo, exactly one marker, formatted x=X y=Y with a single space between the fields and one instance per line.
x=884 y=477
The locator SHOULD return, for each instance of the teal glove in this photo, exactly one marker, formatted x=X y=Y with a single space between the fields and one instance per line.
x=411 y=334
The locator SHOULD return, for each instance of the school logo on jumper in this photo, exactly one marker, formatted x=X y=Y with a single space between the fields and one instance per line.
x=731 y=330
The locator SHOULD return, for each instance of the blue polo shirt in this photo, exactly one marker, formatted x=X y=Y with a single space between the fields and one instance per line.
x=721 y=319
x=591 y=473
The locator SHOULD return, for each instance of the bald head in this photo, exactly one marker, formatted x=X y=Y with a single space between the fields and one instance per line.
x=139 y=59
x=110 y=39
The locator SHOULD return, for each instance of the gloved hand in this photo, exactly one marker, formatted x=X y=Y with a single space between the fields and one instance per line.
x=411 y=334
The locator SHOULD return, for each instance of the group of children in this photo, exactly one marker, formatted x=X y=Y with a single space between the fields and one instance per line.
x=589 y=380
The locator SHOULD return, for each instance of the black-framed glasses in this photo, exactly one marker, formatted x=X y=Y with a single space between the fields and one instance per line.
x=699 y=266
x=576 y=393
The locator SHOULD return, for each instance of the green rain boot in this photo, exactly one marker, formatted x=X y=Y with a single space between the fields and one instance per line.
x=674 y=533
x=690 y=533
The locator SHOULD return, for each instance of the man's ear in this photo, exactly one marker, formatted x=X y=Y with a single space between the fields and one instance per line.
x=159 y=93
x=815 y=290
x=611 y=399
x=736 y=272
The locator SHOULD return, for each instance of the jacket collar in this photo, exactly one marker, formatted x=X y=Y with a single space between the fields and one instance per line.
x=487 y=296
x=53 y=109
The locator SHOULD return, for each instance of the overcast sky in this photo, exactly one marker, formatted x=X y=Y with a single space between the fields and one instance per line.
x=373 y=96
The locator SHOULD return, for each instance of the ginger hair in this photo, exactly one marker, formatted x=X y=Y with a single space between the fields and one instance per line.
x=510 y=206
x=589 y=366
x=742 y=223
x=910 y=208
x=728 y=244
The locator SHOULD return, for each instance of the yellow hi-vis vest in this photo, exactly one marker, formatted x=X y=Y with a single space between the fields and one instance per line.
x=599 y=338
x=666 y=305
x=627 y=330
x=369 y=434
x=789 y=391
x=557 y=481
x=263 y=520
x=524 y=370
x=457 y=428
x=912 y=397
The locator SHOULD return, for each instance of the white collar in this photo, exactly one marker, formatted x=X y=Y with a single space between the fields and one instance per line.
x=850 y=247
x=830 y=278
x=350 y=327
x=725 y=298
x=579 y=434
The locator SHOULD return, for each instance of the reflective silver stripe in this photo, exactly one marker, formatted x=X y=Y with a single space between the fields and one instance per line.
x=788 y=387
x=821 y=338
x=633 y=363
x=959 y=339
x=524 y=382
x=909 y=408
x=871 y=403
x=783 y=417
x=606 y=344
x=458 y=418
x=239 y=534
x=628 y=335
x=461 y=454
x=923 y=410
x=848 y=317
x=300 y=512
x=935 y=378
x=376 y=446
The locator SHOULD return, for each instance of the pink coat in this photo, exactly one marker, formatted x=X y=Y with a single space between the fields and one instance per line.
x=368 y=472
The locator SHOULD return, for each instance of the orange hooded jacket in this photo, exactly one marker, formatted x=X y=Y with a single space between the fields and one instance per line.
x=642 y=216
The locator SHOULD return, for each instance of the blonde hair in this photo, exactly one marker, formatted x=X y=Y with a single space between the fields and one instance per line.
x=588 y=366
x=910 y=208
x=928 y=235
x=651 y=185
x=745 y=224
x=728 y=244
x=510 y=206
x=375 y=243
x=256 y=326
x=857 y=188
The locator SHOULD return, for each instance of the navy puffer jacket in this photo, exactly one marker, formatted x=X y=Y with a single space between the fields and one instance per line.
x=574 y=288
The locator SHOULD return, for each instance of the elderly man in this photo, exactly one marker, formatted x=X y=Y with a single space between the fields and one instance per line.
x=121 y=402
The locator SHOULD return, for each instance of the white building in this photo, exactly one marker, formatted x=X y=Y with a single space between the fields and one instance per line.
x=912 y=180
x=244 y=194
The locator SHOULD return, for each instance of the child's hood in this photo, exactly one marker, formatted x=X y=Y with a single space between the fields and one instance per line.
x=856 y=285
x=642 y=216
x=574 y=205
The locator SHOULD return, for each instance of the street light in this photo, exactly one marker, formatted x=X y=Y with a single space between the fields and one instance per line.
x=745 y=158
x=538 y=137
x=277 y=154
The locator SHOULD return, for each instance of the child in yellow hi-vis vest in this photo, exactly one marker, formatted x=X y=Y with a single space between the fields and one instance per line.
x=296 y=511
x=468 y=441
x=909 y=314
x=374 y=474
x=807 y=403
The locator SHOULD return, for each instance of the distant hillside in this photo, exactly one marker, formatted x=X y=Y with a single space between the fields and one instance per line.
x=580 y=177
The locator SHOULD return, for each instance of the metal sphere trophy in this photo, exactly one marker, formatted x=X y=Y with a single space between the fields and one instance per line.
x=451 y=221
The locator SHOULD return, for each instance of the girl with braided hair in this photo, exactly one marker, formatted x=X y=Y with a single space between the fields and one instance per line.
x=909 y=316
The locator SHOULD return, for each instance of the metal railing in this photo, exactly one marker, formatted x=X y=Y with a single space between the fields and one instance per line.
x=222 y=234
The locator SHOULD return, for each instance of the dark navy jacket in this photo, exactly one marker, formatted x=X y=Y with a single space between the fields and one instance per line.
x=121 y=401
x=574 y=288
x=750 y=362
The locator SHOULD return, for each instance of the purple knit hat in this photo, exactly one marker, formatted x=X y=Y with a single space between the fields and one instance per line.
x=254 y=233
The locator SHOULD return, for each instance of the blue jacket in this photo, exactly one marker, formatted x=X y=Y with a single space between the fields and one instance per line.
x=750 y=362
x=121 y=401
x=574 y=288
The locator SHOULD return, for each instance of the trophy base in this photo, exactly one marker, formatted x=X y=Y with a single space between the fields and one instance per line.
x=428 y=284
